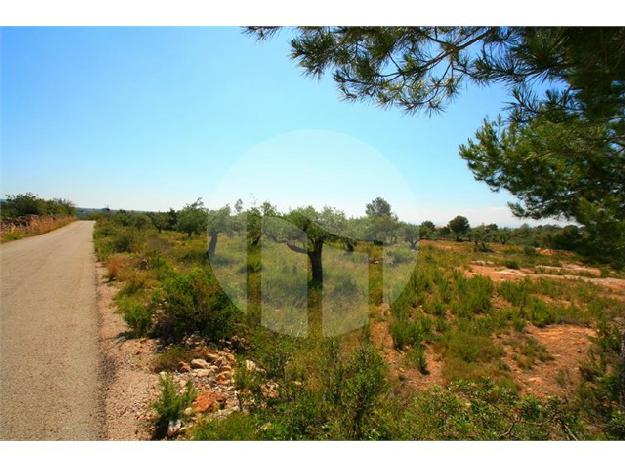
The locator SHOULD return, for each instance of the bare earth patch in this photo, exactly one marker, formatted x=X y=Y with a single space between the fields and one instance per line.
x=567 y=346
x=498 y=273
x=130 y=387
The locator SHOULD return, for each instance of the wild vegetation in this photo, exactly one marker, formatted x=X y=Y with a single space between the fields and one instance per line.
x=27 y=215
x=386 y=342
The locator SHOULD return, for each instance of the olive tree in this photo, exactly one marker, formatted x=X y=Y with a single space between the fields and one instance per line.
x=192 y=218
x=306 y=231
x=411 y=234
x=217 y=221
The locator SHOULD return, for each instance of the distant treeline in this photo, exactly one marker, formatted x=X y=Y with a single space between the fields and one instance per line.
x=28 y=204
x=379 y=225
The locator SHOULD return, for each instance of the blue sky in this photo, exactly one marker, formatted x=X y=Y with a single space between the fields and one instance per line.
x=152 y=118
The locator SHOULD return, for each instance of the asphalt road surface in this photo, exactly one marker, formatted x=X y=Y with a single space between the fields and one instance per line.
x=49 y=353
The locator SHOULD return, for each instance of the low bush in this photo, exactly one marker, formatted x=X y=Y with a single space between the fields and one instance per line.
x=126 y=240
x=343 y=407
x=171 y=404
x=236 y=426
x=528 y=352
x=137 y=316
x=336 y=396
x=483 y=410
x=469 y=346
x=116 y=266
x=194 y=303
x=512 y=264
x=474 y=295
x=417 y=357
x=515 y=292
x=135 y=283
x=344 y=285
x=540 y=313
x=405 y=333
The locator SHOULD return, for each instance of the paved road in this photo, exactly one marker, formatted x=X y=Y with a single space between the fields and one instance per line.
x=49 y=354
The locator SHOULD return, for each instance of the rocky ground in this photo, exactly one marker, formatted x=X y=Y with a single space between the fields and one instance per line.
x=131 y=384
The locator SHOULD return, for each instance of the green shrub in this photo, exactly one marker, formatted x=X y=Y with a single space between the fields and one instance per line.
x=474 y=295
x=159 y=265
x=171 y=404
x=518 y=323
x=515 y=292
x=529 y=250
x=235 y=426
x=194 y=303
x=282 y=284
x=512 y=264
x=469 y=346
x=541 y=314
x=343 y=407
x=137 y=316
x=337 y=396
x=435 y=305
x=417 y=357
x=484 y=411
x=361 y=385
x=126 y=240
x=405 y=333
x=253 y=264
x=134 y=283
x=528 y=352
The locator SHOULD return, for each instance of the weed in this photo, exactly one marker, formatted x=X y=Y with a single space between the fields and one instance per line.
x=171 y=404
x=417 y=356
x=137 y=316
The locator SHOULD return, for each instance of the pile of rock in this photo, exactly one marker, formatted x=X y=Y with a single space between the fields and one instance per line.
x=212 y=373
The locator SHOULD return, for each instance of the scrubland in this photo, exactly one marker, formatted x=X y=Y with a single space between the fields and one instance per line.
x=442 y=342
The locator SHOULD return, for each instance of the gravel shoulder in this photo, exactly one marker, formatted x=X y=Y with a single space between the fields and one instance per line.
x=50 y=373
x=129 y=385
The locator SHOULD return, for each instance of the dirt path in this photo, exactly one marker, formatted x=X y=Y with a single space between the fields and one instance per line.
x=49 y=354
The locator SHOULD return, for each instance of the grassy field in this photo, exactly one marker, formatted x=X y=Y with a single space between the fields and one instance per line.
x=440 y=343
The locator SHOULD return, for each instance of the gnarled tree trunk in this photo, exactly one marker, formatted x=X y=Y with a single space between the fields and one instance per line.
x=212 y=243
x=316 y=266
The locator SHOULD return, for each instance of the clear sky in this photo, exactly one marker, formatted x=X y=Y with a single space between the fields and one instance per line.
x=152 y=118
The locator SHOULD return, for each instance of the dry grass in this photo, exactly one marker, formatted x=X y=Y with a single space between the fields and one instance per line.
x=117 y=265
x=32 y=226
